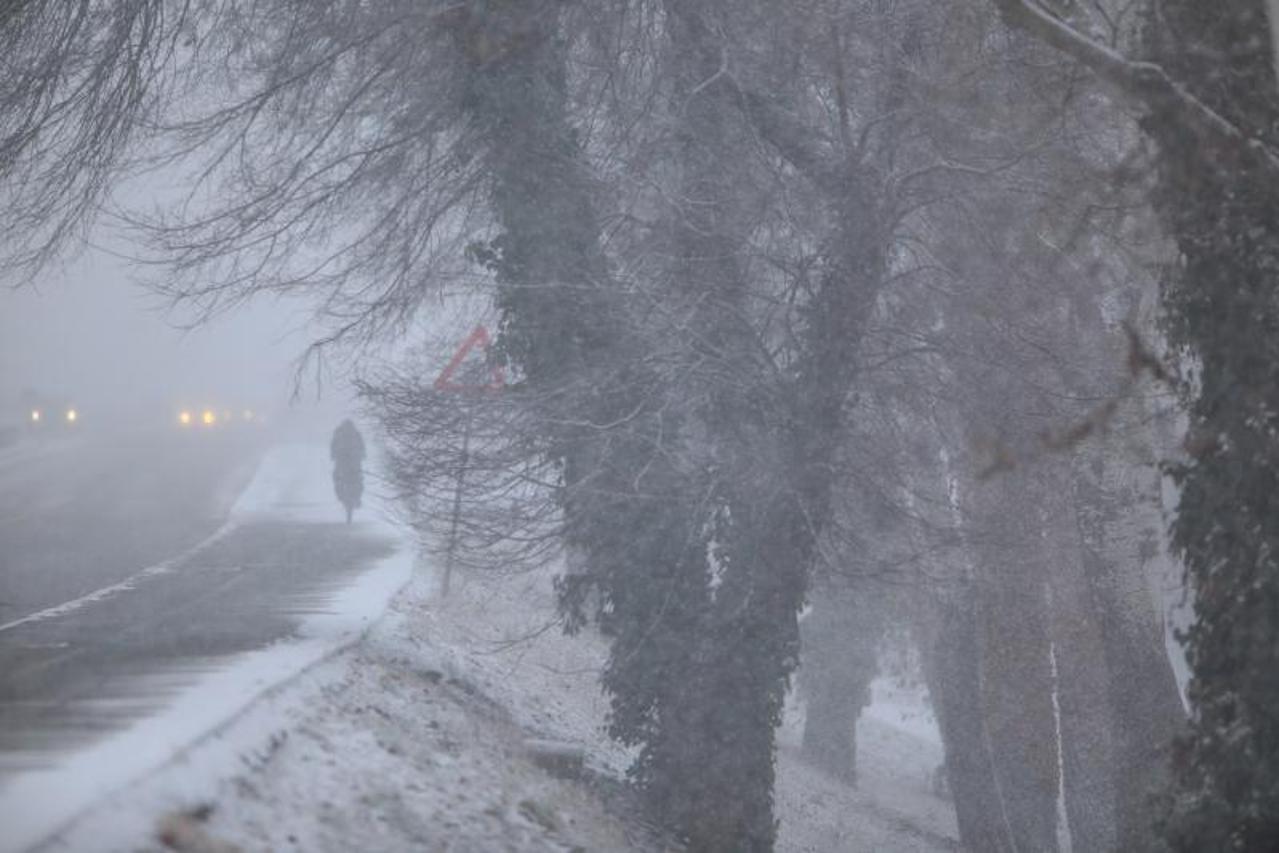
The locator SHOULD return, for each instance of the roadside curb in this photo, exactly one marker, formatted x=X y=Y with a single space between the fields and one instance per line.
x=50 y=839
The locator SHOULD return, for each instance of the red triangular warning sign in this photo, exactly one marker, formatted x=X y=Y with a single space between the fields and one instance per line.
x=446 y=381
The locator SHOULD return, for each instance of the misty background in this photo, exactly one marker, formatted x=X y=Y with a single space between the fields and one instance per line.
x=87 y=332
x=866 y=440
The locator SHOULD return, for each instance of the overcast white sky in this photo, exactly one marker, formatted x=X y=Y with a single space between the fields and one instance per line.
x=88 y=333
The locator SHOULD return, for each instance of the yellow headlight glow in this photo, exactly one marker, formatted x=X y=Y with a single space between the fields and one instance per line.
x=184 y=418
x=35 y=416
x=72 y=415
x=208 y=418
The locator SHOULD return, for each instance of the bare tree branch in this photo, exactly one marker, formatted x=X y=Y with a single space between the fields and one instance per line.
x=1146 y=83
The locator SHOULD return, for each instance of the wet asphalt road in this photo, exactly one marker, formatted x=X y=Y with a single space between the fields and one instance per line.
x=84 y=515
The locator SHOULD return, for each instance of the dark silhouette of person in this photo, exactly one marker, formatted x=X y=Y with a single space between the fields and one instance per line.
x=347 y=452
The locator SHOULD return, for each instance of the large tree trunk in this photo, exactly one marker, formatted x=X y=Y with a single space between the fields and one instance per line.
x=727 y=757
x=627 y=513
x=1119 y=699
x=711 y=771
x=1118 y=526
x=1208 y=83
x=841 y=637
x=1015 y=653
x=948 y=632
x=1087 y=737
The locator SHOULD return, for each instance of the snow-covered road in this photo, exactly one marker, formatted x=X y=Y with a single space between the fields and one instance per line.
x=107 y=685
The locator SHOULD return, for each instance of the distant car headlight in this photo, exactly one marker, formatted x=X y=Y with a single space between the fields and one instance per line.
x=184 y=418
x=35 y=416
x=208 y=418
x=72 y=416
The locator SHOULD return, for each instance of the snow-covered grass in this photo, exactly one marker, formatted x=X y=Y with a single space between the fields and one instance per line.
x=499 y=633
x=403 y=742
x=417 y=738
x=895 y=806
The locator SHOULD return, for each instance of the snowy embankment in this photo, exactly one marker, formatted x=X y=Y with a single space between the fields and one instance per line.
x=896 y=805
x=289 y=484
x=419 y=738
x=428 y=734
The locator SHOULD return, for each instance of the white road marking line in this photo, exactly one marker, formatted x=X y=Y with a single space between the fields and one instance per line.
x=125 y=585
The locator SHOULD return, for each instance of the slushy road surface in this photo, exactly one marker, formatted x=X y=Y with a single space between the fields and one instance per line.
x=122 y=580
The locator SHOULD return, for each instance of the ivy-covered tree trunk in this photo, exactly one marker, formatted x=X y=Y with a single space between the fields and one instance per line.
x=634 y=522
x=1220 y=202
x=710 y=770
x=774 y=435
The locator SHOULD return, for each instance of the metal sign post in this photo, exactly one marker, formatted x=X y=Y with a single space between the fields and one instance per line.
x=446 y=382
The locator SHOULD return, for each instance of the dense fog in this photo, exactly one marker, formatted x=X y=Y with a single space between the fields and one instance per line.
x=86 y=331
x=710 y=425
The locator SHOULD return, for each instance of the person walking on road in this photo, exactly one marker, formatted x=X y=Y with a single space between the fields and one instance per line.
x=347 y=452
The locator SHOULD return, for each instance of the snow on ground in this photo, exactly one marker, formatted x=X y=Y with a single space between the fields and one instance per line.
x=417 y=739
x=292 y=481
x=403 y=742
x=894 y=807
x=285 y=486
x=501 y=633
